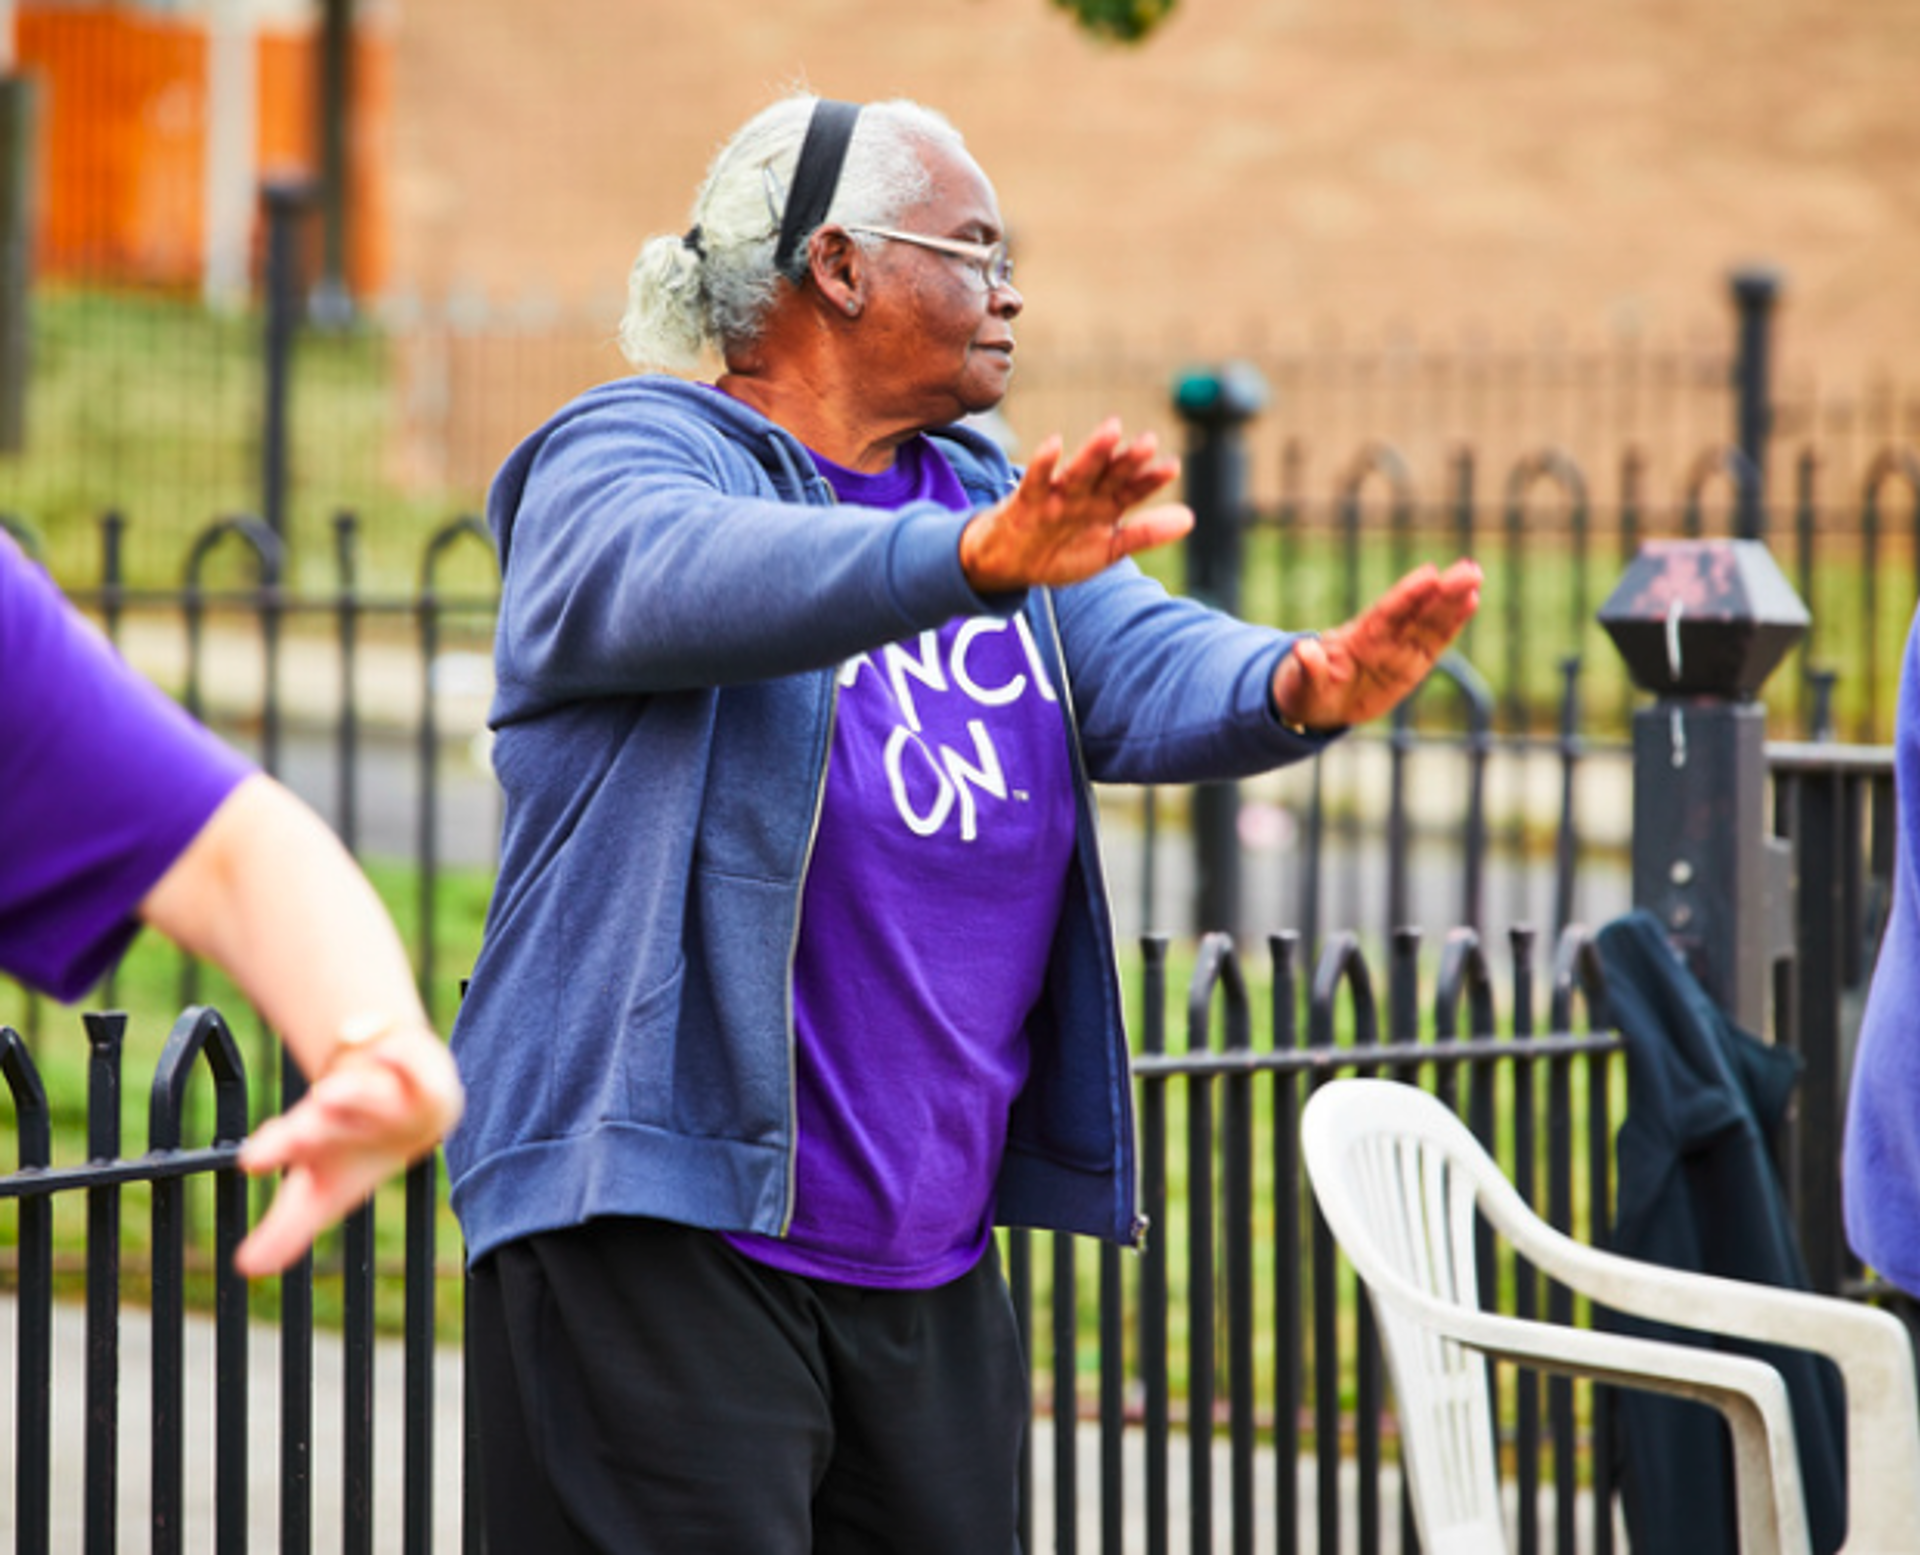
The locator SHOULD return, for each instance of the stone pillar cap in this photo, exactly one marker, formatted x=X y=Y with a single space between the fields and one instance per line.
x=1703 y=617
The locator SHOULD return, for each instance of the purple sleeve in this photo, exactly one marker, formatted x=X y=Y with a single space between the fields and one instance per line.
x=1880 y=1164
x=103 y=783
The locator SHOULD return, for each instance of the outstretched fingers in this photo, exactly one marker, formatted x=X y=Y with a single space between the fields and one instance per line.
x=1424 y=611
x=1113 y=469
x=1042 y=468
x=357 y=1126
x=1142 y=473
x=1072 y=515
x=335 y=1150
x=1080 y=477
x=1365 y=666
x=1151 y=527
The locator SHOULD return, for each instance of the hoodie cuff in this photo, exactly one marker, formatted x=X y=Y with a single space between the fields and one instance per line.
x=927 y=577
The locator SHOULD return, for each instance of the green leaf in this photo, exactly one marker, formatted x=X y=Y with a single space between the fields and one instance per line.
x=1126 y=20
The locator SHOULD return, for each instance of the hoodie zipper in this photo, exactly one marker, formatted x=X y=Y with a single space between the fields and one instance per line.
x=791 y=1194
x=793 y=956
x=1138 y=1225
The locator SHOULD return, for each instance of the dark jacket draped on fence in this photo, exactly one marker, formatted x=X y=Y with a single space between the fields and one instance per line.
x=1698 y=1190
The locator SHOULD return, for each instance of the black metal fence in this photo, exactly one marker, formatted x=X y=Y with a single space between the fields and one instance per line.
x=1223 y=1389
x=1230 y=1338
x=1229 y=1378
x=1552 y=548
x=199 y=1488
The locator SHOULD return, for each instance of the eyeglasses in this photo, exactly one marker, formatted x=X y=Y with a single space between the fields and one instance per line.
x=993 y=262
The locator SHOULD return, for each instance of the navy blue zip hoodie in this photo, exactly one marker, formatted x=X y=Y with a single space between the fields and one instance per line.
x=678 y=588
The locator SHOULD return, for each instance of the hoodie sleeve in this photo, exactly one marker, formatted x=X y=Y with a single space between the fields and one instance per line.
x=1168 y=690
x=644 y=549
x=1880 y=1164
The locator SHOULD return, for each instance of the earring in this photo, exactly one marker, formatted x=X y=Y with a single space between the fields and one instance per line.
x=852 y=306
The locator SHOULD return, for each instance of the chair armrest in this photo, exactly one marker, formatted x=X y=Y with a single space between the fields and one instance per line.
x=1871 y=1348
x=1749 y=1394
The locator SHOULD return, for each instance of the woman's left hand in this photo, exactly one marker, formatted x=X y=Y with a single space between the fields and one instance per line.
x=1361 y=669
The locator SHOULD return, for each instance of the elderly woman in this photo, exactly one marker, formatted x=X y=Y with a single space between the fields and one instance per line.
x=799 y=975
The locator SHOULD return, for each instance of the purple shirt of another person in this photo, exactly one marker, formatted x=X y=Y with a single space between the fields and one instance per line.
x=936 y=881
x=103 y=784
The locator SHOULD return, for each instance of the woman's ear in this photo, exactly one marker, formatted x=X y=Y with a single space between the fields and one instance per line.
x=838 y=268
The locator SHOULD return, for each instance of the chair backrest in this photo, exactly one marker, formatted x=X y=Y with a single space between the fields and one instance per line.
x=1397 y=1175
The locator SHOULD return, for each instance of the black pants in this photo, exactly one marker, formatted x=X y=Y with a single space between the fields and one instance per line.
x=644 y=1388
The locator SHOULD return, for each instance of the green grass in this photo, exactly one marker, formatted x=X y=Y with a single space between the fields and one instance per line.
x=153 y=407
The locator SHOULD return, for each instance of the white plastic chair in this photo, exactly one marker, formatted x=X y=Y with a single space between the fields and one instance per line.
x=1399 y=1179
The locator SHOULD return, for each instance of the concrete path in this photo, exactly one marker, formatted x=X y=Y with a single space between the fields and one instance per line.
x=68 y=1511
x=135 y=1524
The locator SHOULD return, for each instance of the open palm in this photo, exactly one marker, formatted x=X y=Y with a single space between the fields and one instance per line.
x=1364 y=667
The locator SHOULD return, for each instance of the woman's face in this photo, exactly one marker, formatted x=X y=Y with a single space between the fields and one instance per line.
x=939 y=335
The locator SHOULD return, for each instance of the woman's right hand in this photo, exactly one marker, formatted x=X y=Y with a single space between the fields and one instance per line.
x=372 y=1114
x=1072 y=517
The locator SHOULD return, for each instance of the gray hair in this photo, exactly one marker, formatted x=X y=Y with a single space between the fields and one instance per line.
x=714 y=286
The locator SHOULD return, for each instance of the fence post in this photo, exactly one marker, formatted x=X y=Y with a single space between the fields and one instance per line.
x=1755 y=289
x=1215 y=404
x=17 y=120
x=287 y=203
x=1701 y=624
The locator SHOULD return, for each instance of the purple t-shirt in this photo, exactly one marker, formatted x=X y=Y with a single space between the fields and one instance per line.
x=103 y=783
x=929 y=911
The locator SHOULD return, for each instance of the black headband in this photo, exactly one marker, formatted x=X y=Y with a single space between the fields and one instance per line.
x=815 y=177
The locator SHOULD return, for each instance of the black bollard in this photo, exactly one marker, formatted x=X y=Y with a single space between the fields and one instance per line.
x=1756 y=288
x=1215 y=405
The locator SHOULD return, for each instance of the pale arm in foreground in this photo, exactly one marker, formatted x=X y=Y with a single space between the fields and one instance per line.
x=267 y=893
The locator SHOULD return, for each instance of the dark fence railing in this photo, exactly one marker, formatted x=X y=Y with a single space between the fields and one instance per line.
x=1552 y=550
x=1230 y=1333
x=1221 y=1390
x=1227 y=1386
x=188 y=1254
x=1834 y=805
